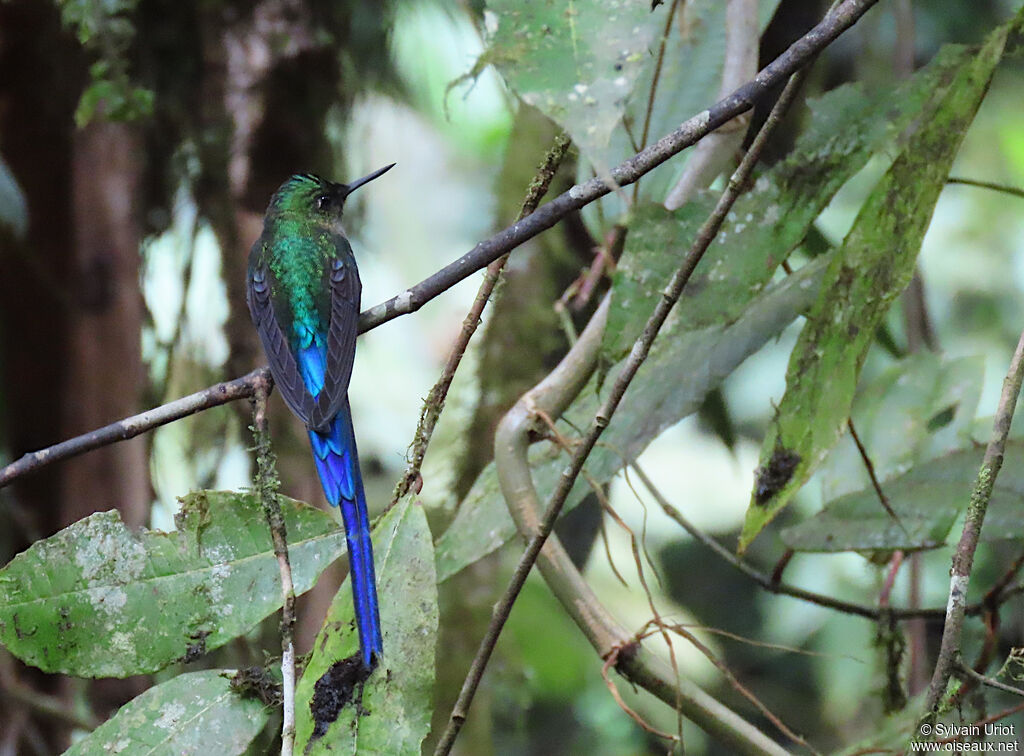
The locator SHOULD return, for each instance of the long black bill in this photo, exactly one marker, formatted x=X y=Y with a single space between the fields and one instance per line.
x=349 y=188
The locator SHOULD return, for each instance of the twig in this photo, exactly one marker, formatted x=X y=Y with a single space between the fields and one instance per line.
x=993 y=595
x=130 y=427
x=762 y=579
x=771 y=584
x=740 y=688
x=688 y=133
x=434 y=403
x=655 y=78
x=266 y=488
x=1011 y=190
x=990 y=682
x=890 y=578
x=870 y=467
x=609 y=663
x=963 y=559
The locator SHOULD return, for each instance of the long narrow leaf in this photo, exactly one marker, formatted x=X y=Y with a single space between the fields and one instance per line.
x=874 y=265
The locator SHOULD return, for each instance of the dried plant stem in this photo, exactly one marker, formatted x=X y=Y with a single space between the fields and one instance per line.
x=266 y=489
x=963 y=559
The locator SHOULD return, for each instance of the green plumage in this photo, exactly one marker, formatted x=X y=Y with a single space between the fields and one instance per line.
x=299 y=251
x=303 y=294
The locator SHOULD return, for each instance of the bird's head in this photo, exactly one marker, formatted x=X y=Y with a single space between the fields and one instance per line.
x=311 y=197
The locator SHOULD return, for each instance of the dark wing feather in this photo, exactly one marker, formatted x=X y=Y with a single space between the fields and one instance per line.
x=283 y=366
x=346 y=290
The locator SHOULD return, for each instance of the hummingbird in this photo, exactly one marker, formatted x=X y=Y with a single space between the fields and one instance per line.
x=303 y=294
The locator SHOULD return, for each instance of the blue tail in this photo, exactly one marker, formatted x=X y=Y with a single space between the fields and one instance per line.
x=337 y=462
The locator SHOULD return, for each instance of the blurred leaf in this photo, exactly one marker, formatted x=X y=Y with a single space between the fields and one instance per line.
x=870 y=270
x=191 y=714
x=577 y=63
x=398 y=693
x=928 y=498
x=555 y=664
x=97 y=18
x=917 y=409
x=13 y=208
x=98 y=600
x=766 y=223
x=683 y=366
x=889 y=733
x=113 y=97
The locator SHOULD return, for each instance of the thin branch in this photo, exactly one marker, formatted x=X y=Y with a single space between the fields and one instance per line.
x=434 y=403
x=990 y=682
x=764 y=580
x=773 y=585
x=266 y=488
x=130 y=427
x=870 y=467
x=688 y=133
x=996 y=591
x=740 y=688
x=655 y=78
x=963 y=559
x=1011 y=190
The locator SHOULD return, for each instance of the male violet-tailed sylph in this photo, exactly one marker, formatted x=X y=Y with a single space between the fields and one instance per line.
x=303 y=293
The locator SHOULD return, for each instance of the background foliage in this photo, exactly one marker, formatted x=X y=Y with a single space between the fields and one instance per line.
x=139 y=143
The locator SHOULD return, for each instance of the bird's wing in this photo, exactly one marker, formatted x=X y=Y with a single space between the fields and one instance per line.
x=346 y=289
x=283 y=366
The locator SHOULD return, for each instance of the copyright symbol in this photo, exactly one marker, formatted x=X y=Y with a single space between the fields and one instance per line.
x=926 y=729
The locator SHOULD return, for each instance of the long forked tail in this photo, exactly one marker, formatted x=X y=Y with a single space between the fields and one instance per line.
x=337 y=462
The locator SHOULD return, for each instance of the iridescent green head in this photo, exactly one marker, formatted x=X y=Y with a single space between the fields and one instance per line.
x=310 y=197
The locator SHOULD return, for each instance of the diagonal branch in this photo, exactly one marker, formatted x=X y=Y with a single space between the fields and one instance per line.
x=130 y=427
x=963 y=559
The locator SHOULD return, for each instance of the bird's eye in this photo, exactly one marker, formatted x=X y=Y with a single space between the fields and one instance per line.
x=323 y=201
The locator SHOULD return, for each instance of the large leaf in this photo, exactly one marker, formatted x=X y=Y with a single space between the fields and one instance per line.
x=873 y=266
x=394 y=709
x=192 y=714
x=766 y=223
x=576 y=62
x=683 y=366
x=98 y=600
x=927 y=499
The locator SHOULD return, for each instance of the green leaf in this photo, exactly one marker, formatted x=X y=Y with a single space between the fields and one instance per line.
x=927 y=499
x=98 y=600
x=917 y=409
x=396 y=698
x=195 y=713
x=766 y=223
x=688 y=81
x=873 y=266
x=576 y=62
x=683 y=366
